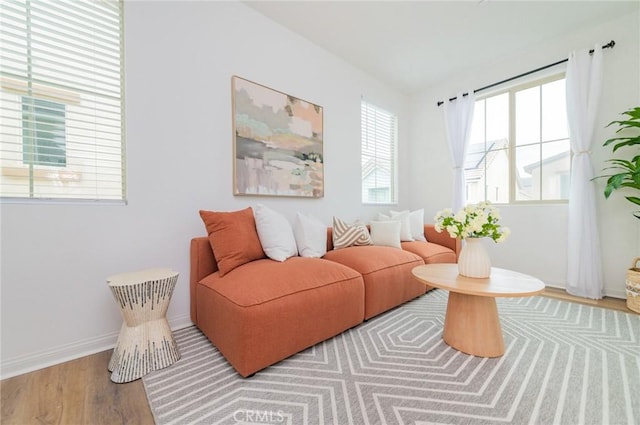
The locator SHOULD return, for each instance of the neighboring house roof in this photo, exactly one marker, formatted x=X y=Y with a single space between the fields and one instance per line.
x=562 y=155
x=474 y=170
x=372 y=165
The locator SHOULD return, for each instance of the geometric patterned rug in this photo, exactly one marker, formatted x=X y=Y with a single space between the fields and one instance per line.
x=565 y=363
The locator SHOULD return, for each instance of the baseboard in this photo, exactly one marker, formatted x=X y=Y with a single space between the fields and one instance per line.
x=63 y=353
x=180 y=322
x=616 y=293
x=613 y=293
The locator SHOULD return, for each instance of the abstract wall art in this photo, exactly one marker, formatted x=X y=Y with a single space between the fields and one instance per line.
x=277 y=143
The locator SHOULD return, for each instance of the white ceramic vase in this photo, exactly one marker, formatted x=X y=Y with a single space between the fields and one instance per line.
x=474 y=260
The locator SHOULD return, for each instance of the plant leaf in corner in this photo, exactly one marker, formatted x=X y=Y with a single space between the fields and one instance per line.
x=633 y=199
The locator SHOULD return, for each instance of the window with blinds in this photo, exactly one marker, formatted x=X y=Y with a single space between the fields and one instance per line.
x=61 y=100
x=379 y=144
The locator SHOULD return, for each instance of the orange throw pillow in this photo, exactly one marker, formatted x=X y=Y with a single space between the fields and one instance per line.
x=233 y=237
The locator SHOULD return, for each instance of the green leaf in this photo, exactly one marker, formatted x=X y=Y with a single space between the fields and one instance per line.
x=622 y=163
x=613 y=183
x=616 y=179
x=630 y=185
x=626 y=123
x=616 y=139
x=633 y=199
x=629 y=142
x=633 y=113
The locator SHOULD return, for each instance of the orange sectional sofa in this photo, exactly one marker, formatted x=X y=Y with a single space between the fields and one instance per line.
x=264 y=311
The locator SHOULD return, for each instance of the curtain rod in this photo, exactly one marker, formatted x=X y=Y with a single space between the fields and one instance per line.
x=606 y=46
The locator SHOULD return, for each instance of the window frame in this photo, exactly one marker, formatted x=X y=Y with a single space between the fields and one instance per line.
x=392 y=162
x=511 y=148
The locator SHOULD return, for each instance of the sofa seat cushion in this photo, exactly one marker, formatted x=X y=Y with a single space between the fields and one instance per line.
x=265 y=311
x=386 y=273
x=261 y=281
x=371 y=259
x=430 y=252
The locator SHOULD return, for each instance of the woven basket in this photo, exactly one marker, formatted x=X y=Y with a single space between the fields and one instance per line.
x=633 y=286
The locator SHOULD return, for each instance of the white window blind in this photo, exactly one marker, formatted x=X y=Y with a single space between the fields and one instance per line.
x=379 y=140
x=61 y=99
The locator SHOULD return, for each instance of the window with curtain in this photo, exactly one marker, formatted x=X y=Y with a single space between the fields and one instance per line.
x=61 y=100
x=519 y=147
x=379 y=159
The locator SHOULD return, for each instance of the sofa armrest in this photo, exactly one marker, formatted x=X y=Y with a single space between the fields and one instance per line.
x=442 y=238
x=203 y=263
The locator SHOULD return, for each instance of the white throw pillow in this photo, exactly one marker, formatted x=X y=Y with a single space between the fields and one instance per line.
x=311 y=236
x=405 y=227
x=275 y=233
x=386 y=233
x=416 y=223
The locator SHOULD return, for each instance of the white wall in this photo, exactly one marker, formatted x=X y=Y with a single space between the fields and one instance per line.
x=538 y=244
x=180 y=57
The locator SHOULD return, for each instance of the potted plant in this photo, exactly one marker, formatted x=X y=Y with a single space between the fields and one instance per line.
x=626 y=174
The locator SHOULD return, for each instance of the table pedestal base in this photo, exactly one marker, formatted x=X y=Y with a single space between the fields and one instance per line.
x=145 y=343
x=472 y=325
x=142 y=349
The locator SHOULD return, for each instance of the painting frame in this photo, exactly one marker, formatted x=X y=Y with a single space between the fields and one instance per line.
x=278 y=145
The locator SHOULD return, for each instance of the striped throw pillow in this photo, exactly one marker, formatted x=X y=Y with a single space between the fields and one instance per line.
x=345 y=235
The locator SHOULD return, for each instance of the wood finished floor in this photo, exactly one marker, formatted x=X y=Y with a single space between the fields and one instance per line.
x=80 y=392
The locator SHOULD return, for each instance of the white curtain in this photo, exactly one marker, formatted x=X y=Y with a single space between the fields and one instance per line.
x=458 y=117
x=584 y=84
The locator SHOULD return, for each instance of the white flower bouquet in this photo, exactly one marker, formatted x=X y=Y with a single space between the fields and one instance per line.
x=473 y=221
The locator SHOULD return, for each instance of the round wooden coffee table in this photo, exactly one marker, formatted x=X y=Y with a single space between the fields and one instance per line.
x=472 y=324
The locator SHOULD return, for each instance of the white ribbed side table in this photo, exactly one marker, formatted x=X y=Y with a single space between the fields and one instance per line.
x=145 y=342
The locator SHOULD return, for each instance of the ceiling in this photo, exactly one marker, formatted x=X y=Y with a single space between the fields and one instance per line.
x=412 y=45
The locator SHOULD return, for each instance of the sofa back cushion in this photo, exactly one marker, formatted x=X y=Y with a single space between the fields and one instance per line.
x=233 y=237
